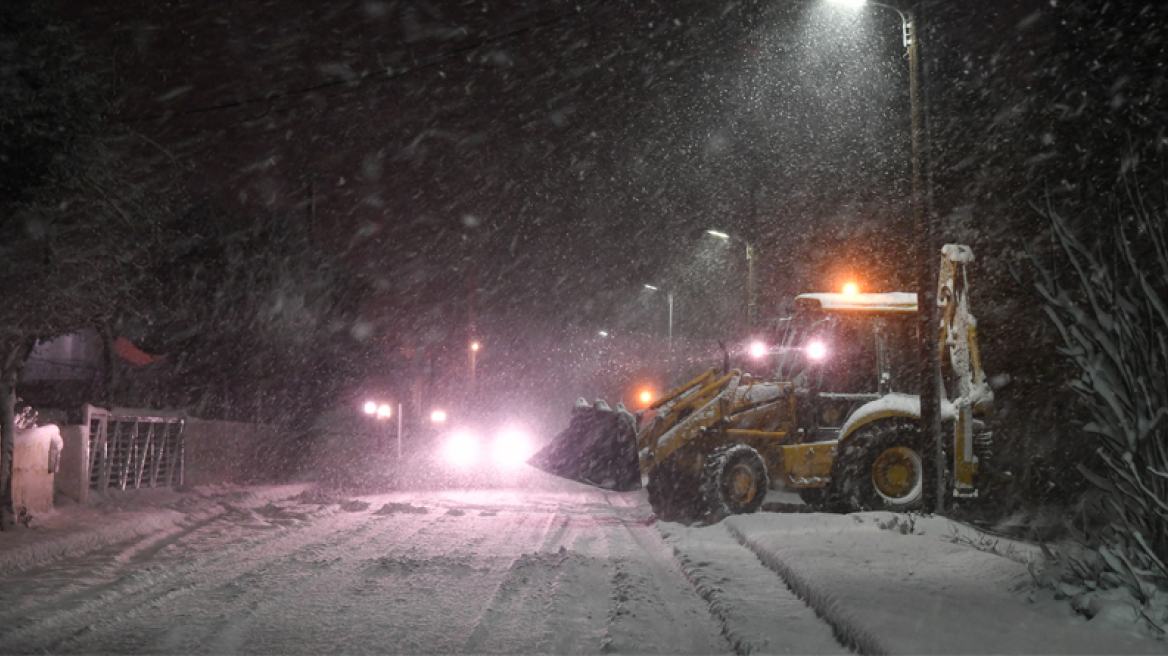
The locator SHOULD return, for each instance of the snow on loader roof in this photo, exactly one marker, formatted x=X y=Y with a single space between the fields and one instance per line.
x=887 y=302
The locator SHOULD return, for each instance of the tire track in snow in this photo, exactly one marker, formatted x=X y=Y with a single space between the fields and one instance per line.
x=127 y=597
x=650 y=589
x=422 y=595
x=75 y=598
x=556 y=597
x=495 y=611
x=757 y=610
x=265 y=589
x=845 y=629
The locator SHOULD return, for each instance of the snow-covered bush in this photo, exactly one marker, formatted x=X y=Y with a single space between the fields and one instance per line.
x=1111 y=309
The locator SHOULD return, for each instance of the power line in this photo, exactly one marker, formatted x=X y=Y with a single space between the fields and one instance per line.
x=379 y=75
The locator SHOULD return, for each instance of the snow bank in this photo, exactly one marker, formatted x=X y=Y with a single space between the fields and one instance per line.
x=72 y=530
x=898 y=584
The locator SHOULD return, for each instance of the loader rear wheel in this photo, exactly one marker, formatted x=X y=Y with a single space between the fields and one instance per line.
x=734 y=480
x=883 y=466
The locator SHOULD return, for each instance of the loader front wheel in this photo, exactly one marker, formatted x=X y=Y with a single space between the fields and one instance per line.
x=883 y=466
x=734 y=480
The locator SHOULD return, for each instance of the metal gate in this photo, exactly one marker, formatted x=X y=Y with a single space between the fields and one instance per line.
x=128 y=450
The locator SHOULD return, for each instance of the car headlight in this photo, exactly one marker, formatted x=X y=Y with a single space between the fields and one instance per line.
x=461 y=448
x=511 y=448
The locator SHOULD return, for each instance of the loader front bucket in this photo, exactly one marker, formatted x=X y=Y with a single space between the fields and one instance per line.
x=599 y=447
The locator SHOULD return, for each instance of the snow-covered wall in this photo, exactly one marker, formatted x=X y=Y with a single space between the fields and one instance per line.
x=33 y=469
x=232 y=452
x=72 y=478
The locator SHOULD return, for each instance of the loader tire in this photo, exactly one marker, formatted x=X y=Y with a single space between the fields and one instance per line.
x=674 y=493
x=734 y=480
x=883 y=466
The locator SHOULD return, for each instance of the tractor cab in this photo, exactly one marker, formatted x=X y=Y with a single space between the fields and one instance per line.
x=844 y=350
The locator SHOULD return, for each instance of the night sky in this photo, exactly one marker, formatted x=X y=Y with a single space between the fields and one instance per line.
x=552 y=156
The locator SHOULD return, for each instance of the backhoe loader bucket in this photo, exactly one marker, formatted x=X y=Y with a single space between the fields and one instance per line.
x=599 y=447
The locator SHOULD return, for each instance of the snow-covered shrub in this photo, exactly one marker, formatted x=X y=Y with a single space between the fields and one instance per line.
x=26 y=417
x=1111 y=309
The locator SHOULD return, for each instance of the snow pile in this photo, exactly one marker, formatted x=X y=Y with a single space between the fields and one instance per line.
x=898 y=584
x=72 y=530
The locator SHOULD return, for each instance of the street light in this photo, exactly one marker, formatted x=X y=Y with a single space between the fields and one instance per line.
x=669 y=296
x=384 y=411
x=475 y=347
x=927 y=347
x=724 y=236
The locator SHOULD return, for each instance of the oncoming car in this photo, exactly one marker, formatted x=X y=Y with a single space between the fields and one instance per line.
x=471 y=454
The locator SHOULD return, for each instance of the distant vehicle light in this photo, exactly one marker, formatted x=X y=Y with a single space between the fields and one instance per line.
x=851 y=289
x=438 y=416
x=383 y=411
x=511 y=448
x=461 y=449
x=646 y=396
x=758 y=350
x=370 y=408
x=817 y=350
x=474 y=346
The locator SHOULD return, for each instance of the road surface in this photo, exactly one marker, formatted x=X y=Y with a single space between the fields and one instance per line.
x=567 y=570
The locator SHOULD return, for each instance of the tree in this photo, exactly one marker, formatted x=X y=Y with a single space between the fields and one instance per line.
x=258 y=321
x=1113 y=318
x=76 y=229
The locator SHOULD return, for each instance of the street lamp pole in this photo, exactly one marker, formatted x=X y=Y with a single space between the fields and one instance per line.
x=928 y=351
x=725 y=236
x=669 y=297
x=749 y=289
x=927 y=330
x=474 y=356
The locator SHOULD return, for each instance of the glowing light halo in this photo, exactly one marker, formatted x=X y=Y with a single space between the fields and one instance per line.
x=851 y=289
x=511 y=448
x=370 y=408
x=461 y=448
x=383 y=411
x=758 y=349
x=817 y=350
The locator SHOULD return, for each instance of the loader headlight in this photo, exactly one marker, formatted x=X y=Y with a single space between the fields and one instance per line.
x=817 y=350
x=461 y=448
x=758 y=350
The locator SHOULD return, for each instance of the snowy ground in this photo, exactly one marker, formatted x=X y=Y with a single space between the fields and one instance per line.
x=552 y=567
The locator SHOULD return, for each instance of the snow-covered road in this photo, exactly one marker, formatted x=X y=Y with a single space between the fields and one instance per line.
x=554 y=568
x=563 y=571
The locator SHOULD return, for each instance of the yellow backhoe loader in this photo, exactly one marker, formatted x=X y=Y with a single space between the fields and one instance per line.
x=838 y=420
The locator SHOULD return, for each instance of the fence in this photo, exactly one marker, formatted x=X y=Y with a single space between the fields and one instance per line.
x=128 y=450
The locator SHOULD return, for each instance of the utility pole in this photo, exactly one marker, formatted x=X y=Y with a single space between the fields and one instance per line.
x=927 y=334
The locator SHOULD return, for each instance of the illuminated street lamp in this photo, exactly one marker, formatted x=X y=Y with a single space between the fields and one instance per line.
x=926 y=282
x=384 y=411
x=669 y=296
x=475 y=347
x=725 y=236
